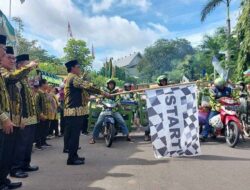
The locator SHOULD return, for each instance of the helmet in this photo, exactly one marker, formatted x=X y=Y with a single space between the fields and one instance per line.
x=160 y=78
x=219 y=82
x=127 y=86
x=111 y=81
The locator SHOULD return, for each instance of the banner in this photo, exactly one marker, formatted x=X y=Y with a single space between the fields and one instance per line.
x=7 y=29
x=173 y=120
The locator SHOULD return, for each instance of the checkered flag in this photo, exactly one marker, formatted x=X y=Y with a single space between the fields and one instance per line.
x=173 y=120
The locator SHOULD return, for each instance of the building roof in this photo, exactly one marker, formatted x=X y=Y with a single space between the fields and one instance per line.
x=127 y=61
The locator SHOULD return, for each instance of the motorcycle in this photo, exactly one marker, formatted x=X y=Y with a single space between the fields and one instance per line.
x=109 y=129
x=244 y=115
x=227 y=122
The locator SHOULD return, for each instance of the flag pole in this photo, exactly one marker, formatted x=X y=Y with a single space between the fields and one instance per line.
x=155 y=88
x=10 y=10
x=68 y=31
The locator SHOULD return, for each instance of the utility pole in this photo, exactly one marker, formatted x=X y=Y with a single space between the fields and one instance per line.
x=228 y=55
x=10 y=10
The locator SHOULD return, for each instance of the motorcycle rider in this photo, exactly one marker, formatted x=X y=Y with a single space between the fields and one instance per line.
x=162 y=80
x=111 y=89
x=242 y=89
x=215 y=93
x=127 y=88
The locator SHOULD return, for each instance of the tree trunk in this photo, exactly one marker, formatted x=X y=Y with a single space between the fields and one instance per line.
x=228 y=56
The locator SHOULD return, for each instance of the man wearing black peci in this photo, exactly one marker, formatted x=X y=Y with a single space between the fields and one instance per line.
x=28 y=119
x=74 y=89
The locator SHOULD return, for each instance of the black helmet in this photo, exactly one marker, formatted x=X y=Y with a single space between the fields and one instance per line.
x=127 y=86
x=160 y=78
x=111 y=81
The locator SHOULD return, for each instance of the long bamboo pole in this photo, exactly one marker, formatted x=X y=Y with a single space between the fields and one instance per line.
x=154 y=88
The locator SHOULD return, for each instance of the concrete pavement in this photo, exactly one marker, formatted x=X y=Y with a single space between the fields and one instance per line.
x=133 y=166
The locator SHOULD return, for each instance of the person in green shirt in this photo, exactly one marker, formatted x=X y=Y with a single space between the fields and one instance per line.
x=111 y=89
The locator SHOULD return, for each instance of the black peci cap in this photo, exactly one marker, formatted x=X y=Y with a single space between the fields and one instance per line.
x=3 y=39
x=9 y=50
x=71 y=63
x=22 y=57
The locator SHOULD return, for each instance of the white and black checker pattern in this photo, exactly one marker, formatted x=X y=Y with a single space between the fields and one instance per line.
x=156 y=122
x=191 y=130
x=190 y=139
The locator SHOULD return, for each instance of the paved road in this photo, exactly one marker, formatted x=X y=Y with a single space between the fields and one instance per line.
x=133 y=166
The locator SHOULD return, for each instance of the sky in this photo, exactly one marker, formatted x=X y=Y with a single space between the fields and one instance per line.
x=116 y=28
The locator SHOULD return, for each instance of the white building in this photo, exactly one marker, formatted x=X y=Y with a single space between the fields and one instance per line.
x=129 y=63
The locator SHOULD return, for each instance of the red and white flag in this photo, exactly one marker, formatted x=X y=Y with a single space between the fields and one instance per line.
x=69 y=30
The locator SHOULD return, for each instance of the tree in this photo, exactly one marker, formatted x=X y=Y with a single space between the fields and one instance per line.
x=209 y=7
x=243 y=34
x=158 y=58
x=24 y=46
x=216 y=45
x=77 y=49
x=53 y=68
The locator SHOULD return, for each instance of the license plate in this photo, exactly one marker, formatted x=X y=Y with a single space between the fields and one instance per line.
x=232 y=108
x=107 y=113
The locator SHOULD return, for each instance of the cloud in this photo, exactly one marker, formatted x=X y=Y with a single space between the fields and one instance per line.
x=142 y=4
x=112 y=36
x=190 y=1
x=47 y=21
x=162 y=29
x=102 y=6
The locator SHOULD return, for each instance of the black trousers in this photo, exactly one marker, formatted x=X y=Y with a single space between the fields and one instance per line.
x=72 y=135
x=147 y=131
x=7 y=147
x=62 y=122
x=85 y=123
x=42 y=132
x=23 y=149
x=53 y=127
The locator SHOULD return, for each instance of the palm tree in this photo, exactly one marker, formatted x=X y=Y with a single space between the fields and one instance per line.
x=209 y=7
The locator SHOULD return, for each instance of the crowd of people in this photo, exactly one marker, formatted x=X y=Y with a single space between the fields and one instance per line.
x=30 y=114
